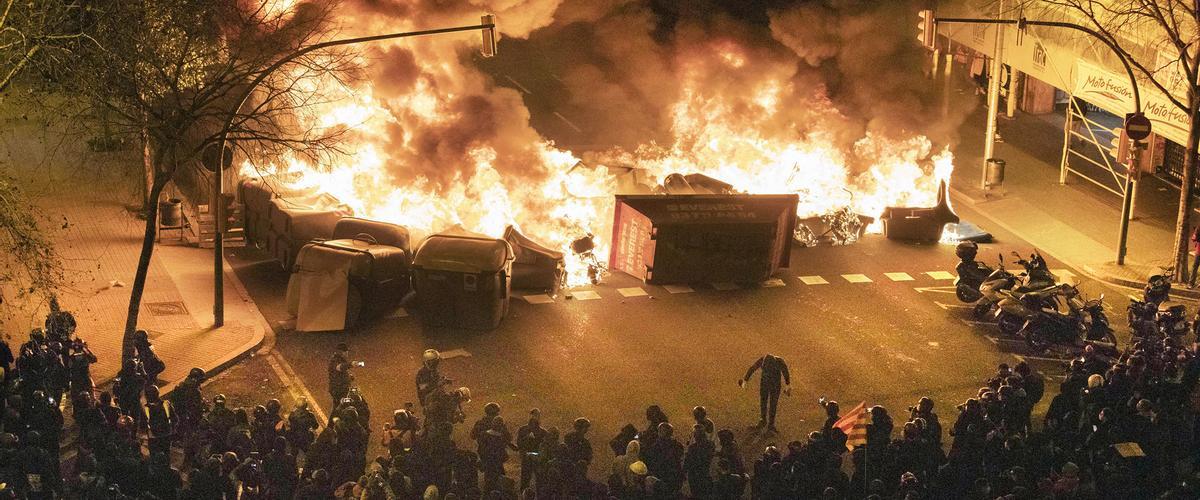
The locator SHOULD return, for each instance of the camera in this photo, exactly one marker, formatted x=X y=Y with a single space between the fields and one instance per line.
x=360 y=364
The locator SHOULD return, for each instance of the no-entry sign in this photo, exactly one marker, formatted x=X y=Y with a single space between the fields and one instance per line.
x=1137 y=126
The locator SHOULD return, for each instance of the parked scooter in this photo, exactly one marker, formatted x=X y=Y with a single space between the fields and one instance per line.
x=1058 y=315
x=971 y=273
x=1015 y=308
x=1144 y=316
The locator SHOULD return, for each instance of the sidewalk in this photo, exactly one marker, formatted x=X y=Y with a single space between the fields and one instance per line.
x=1076 y=223
x=101 y=244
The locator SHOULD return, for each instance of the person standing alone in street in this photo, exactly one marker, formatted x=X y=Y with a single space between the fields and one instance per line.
x=774 y=377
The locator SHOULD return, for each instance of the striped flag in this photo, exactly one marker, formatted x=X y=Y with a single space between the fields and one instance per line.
x=854 y=424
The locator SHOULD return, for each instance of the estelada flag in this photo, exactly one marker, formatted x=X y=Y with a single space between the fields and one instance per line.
x=854 y=424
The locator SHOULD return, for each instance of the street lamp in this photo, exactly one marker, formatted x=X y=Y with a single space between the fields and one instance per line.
x=487 y=27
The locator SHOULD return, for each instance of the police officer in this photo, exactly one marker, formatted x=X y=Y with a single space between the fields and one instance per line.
x=145 y=352
x=80 y=363
x=160 y=421
x=301 y=426
x=339 y=373
x=131 y=381
x=529 y=440
x=774 y=370
x=217 y=423
x=188 y=404
x=429 y=380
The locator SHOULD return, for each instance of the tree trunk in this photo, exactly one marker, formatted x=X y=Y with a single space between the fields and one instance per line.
x=148 y=169
x=1183 y=223
x=139 y=280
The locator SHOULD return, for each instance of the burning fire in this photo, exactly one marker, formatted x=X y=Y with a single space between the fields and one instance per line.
x=743 y=138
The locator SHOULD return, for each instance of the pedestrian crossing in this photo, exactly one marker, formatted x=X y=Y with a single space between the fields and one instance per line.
x=924 y=281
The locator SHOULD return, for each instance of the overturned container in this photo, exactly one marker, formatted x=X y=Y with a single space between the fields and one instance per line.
x=666 y=239
x=463 y=280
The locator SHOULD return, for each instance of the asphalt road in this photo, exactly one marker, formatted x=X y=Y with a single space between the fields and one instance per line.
x=886 y=341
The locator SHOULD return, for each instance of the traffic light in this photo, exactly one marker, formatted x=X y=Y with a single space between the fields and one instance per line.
x=925 y=28
x=489 y=35
x=1119 y=147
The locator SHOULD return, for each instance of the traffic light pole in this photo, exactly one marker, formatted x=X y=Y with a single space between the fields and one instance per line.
x=1127 y=201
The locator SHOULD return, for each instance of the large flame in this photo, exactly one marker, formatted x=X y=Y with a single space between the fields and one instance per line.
x=725 y=133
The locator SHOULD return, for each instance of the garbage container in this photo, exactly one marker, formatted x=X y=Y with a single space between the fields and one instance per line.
x=462 y=280
x=170 y=213
x=995 y=171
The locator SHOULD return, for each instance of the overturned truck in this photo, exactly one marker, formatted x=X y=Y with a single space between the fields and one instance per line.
x=665 y=239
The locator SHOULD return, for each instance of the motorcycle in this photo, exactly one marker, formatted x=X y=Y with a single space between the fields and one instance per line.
x=1143 y=315
x=1171 y=319
x=1069 y=319
x=971 y=273
x=1014 y=308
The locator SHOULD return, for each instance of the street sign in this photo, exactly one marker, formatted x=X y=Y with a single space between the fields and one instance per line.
x=1137 y=126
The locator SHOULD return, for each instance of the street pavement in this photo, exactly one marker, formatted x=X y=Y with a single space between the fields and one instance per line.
x=876 y=321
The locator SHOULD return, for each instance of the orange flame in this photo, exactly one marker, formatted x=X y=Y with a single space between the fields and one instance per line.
x=713 y=134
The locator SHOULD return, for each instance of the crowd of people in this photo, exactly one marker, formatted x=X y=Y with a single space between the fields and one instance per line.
x=1117 y=428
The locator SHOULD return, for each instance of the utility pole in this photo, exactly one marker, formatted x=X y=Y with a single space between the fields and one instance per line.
x=993 y=98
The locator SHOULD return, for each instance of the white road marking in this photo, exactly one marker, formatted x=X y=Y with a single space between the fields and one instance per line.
x=585 y=295
x=940 y=275
x=538 y=299
x=951 y=306
x=934 y=289
x=1062 y=273
x=857 y=278
x=973 y=323
x=725 y=286
x=898 y=276
x=813 y=280
x=772 y=283
x=632 y=292
x=933 y=344
x=1024 y=357
x=678 y=288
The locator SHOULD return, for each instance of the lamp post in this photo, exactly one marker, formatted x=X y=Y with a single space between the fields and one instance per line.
x=486 y=26
x=1127 y=200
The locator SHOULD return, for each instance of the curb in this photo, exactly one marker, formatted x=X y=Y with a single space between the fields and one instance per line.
x=233 y=356
x=1085 y=269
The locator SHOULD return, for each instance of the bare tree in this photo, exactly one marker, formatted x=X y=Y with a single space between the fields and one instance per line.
x=168 y=72
x=37 y=34
x=29 y=264
x=1141 y=30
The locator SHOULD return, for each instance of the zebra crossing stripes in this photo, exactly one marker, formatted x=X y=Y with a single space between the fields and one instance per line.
x=857 y=278
x=813 y=280
x=899 y=276
x=633 y=291
x=538 y=299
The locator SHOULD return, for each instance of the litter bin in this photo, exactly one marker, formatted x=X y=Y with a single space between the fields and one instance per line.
x=463 y=281
x=995 y=171
x=170 y=214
